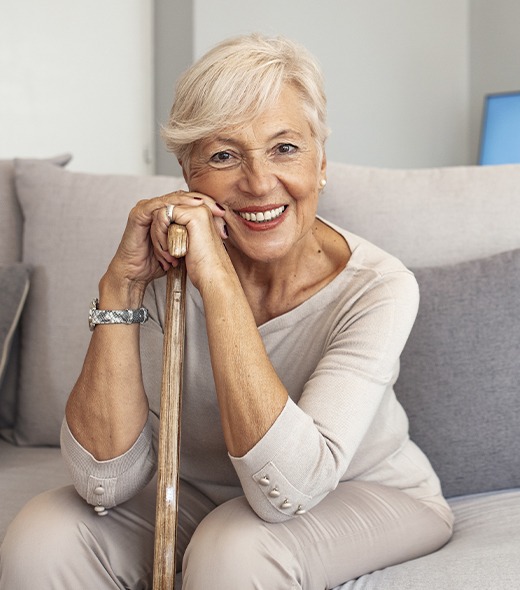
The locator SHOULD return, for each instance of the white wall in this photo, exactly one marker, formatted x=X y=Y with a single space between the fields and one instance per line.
x=494 y=57
x=405 y=78
x=396 y=71
x=77 y=76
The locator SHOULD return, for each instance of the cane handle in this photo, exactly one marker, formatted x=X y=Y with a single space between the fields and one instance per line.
x=177 y=240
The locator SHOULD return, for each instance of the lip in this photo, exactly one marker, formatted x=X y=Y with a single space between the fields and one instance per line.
x=258 y=209
x=265 y=225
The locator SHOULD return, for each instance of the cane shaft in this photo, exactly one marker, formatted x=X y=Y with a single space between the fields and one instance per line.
x=167 y=508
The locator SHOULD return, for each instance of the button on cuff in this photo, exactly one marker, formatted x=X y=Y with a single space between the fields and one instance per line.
x=279 y=492
x=101 y=492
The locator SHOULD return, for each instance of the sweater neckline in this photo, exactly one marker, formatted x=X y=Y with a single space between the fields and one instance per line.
x=315 y=302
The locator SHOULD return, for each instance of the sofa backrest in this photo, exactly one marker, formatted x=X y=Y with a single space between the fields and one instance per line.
x=428 y=217
x=11 y=244
x=431 y=219
x=11 y=224
x=10 y=216
x=459 y=230
x=72 y=226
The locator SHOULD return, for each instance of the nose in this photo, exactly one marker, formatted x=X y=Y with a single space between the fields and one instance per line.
x=257 y=179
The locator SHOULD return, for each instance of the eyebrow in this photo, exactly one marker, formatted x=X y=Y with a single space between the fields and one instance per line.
x=278 y=134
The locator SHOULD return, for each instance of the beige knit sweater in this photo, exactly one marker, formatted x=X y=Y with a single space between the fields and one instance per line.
x=338 y=356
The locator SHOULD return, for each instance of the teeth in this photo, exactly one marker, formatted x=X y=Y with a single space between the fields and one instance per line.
x=263 y=215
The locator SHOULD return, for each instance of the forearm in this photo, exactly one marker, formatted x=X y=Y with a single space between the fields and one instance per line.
x=250 y=394
x=108 y=407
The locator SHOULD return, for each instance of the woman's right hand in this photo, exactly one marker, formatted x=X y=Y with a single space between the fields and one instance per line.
x=135 y=263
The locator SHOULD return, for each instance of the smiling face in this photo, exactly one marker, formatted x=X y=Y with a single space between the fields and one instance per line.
x=267 y=175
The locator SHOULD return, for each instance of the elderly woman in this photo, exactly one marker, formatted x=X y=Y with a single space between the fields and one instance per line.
x=296 y=469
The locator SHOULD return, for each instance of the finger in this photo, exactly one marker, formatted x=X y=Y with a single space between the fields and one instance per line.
x=169 y=212
x=216 y=208
x=213 y=212
x=221 y=226
x=163 y=217
x=161 y=220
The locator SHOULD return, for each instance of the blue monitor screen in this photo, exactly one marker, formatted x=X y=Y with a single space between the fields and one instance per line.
x=500 y=137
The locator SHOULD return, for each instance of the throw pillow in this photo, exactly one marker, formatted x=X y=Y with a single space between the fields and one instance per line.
x=460 y=374
x=11 y=233
x=73 y=224
x=14 y=286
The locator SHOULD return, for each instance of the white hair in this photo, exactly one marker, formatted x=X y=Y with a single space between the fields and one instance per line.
x=237 y=80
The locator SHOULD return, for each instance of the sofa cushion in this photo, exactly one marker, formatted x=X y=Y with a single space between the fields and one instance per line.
x=10 y=251
x=11 y=232
x=460 y=375
x=483 y=552
x=14 y=286
x=25 y=472
x=73 y=223
x=11 y=222
x=10 y=216
x=427 y=217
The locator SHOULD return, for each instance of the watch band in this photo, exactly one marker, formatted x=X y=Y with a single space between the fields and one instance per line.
x=115 y=316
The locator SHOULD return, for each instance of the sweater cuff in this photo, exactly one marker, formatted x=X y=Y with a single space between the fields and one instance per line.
x=271 y=482
x=111 y=482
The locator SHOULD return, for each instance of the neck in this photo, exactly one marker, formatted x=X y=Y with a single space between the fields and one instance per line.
x=279 y=271
x=275 y=287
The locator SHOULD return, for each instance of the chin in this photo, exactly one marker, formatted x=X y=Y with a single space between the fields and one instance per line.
x=264 y=250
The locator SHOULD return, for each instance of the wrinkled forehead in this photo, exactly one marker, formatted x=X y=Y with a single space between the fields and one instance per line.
x=285 y=114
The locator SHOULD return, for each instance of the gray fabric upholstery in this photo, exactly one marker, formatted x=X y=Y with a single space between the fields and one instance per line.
x=14 y=286
x=73 y=223
x=25 y=472
x=483 y=552
x=11 y=222
x=11 y=234
x=10 y=251
x=427 y=217
x=10 y=216
x=460 y=374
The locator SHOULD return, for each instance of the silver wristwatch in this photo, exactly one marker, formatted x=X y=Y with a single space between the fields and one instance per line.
x=115 y=316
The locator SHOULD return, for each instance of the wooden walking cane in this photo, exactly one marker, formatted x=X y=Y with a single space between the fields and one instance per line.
x=167 y=509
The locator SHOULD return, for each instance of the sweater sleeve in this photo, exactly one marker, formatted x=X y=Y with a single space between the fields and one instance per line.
x=310 y=446
x=108 y=483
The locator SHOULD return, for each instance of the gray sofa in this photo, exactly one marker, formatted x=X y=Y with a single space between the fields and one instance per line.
x=457 y=228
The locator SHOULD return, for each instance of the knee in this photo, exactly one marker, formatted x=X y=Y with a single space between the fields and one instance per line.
x=41 y=535
x=233 y=548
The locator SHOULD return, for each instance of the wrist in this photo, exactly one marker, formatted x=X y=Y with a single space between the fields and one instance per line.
x=116 y=293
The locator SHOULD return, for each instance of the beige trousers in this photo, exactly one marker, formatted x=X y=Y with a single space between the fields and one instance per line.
x=58 y=542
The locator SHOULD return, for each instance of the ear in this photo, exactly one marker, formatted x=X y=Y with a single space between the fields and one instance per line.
x=323 y=165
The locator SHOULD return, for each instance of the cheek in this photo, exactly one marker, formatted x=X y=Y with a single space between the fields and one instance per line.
x=196 y=173
x=208 y=182
x=303 y=184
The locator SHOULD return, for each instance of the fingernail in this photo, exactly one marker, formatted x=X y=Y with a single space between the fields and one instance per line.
x=220 y=206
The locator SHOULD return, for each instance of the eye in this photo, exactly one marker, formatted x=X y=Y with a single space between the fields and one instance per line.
x=286 y=148
x=221 y=157
x=224 y=159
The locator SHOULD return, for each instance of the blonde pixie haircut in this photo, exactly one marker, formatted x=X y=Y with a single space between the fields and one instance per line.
x=237 y=80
